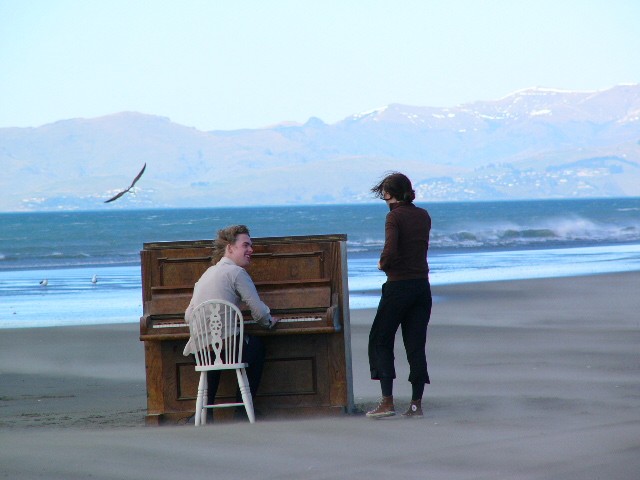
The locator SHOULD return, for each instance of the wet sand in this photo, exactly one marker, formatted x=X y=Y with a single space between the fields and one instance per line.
x=535 y=379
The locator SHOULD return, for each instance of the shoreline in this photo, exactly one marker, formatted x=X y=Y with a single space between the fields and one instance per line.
x=534 y=378
x=37 y=306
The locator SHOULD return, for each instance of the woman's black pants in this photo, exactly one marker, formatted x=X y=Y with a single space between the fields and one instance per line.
x=405 y=304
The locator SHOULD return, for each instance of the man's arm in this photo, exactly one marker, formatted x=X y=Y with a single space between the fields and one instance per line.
x=249 y=295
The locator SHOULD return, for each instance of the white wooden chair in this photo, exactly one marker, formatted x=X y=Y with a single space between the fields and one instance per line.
x=217 y=328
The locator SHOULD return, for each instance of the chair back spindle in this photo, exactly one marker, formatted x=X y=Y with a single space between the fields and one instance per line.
x=218 y=332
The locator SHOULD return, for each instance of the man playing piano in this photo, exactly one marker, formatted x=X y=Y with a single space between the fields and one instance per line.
x=228 y=280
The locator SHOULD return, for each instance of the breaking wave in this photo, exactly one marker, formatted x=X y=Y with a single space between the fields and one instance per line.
x=549 y=233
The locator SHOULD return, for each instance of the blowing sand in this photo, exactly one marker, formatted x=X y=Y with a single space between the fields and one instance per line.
x=531 y=379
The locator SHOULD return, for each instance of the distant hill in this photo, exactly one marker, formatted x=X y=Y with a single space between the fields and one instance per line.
x=535 y=143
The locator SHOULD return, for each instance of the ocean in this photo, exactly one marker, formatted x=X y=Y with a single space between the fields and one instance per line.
x=470 y=242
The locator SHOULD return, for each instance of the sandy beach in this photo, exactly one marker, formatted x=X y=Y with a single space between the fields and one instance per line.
x=533 y=379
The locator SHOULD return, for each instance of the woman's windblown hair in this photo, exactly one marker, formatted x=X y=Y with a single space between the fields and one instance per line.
x=397 y=185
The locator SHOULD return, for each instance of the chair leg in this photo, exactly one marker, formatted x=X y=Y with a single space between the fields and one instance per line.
x=243 y=383
x=205 y=399
x=201 y=400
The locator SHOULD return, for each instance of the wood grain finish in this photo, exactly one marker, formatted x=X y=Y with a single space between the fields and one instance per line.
x=308 y=365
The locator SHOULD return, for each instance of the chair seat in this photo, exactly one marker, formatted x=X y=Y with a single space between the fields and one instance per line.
x=226 y=366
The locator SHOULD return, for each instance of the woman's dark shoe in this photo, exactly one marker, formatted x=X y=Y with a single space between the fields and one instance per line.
x=414 y=410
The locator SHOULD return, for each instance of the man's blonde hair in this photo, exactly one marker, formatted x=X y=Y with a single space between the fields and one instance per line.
x=226 y=236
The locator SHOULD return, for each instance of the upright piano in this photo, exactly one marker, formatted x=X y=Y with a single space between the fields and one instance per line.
x=303 y=279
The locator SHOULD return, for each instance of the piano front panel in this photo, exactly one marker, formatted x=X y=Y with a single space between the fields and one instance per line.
x=175 y=271
x=292 y=296
x=290 y=376
x=169 y=302
x=286 y=266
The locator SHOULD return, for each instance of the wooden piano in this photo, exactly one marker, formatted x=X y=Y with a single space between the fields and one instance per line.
x=308 y=364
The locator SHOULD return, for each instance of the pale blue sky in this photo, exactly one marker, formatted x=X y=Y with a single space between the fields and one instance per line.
x=248 y=64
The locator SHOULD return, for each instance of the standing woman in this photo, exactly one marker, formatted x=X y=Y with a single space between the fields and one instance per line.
x=406 y=295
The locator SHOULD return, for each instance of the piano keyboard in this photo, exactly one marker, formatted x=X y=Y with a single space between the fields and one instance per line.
x=169 y=325
x=247 y=322
x=291 y=320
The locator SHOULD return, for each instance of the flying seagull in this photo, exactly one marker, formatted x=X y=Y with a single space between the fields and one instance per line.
x=44 y=282
x=94 y=279
x=130 y=186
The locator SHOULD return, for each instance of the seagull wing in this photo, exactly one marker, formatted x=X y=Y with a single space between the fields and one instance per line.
x=137 y=177
x=130 y=186
x=117 y=196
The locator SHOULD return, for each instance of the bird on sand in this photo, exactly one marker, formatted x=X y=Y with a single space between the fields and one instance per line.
x=130 y=186
x=44 y=282
x=94 y=279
